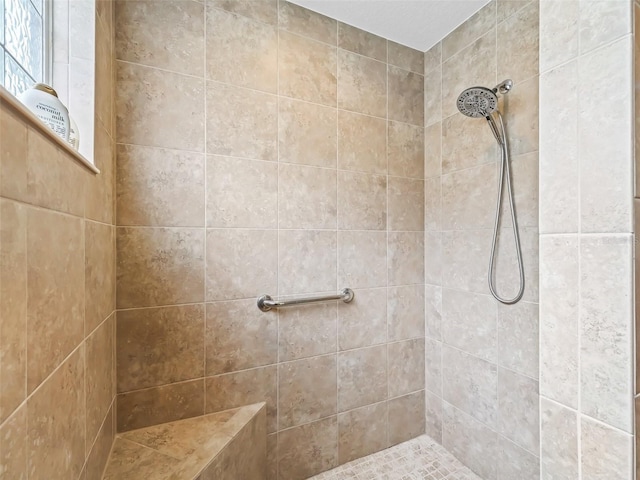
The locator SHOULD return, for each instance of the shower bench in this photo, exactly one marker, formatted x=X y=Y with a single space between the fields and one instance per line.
x=228 y=445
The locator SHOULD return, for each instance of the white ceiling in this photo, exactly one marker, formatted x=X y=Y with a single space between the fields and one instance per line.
x=419 y=24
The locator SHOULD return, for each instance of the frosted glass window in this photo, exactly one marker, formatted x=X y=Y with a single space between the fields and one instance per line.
x=22 y=43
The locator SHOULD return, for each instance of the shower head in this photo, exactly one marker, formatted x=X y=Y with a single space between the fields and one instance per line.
x=477 y=102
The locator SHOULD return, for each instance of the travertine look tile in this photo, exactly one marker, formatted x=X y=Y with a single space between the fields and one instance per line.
x=406 y=96
x=231 y=269
x=306 y=197
x=406 y=367
x=362 y=432
x=405 y=151
x=559 y=441
x=307 y=133
x=475 y=65
x=433 y=150
x=226 y=351
x=307 y=390
x=524 y=174
x=241 y=51
x=159 y=266
x=300 y=253
x=433 y=420
x=104 y=74
x=300 y=20
x=99 y=273
x=307 y=331
x=100 y=378
x=472 y=29
x=13 y=183
x=13 y=445
x=307 y=69
x=159 y=187
x=405 y=312
x=433 y=258
x=362 y=259
x=470 y=441
x=168 y=35
x=406 y=417
x=156 y=346
x=167 y=111
x=522 y=117
x=433 y=366
x=362 y=377
x=100 y=189
x=241 y=193
x=362 y=84
x=603 y=22
x=506 y=271
x=362 y=143
x=559 y=33
x=466 y=143
x=241 y=122
x=518 y=332
x=233 y=390
x=56 y=422
x=363 y=321
x=362 y=201
x=433 y=85
x=101 y=448
x=465 y=259
x=405 y=57
x=469 y=198
x=433 y=311
x=153 y=406
x=362 y=42
x=55 y=318
x=307 y=450
x=469 y=322
x=605 y=452
x=606 y=187
x=13 y=308
x=406 y=258
x=518 y=409
x=471 y=385
x=406 y=204
x=606 y=333
x=506 y=8
x=518 y=44
x=433 y=204
x=272 y=457
x=263 y=10
x=515 y=462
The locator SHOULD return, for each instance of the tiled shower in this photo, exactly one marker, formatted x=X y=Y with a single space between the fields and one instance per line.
x=253 y=147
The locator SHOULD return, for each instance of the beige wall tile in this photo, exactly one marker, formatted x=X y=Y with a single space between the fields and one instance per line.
x=432 y=204
x=104 y=77
x=307 y=69
x=405 y=152
x=405 y=312
x=518 y=331
x=233 y=390
x=433 y=85
x=231 y=268
x=245 y=123
x=518 y=406
x=465 y=259
x=406 y=258
x=506 y=8
x=100 y=189
x=306 y=197
x=99 y=273
x=307 y=331
x=433 y=366
x=56 y=426
x=469 y=198
x=472 y=29
x=433 y=311
x=362 y=377
x=467 y=142
x=559 y=33
x=433 y=420
x=559 y=441
x=406 y=418
x=362 y=432
x=300 y=253
x=226 y=351
x=263 y=10
x=55 y=317
x=167 y=112
x=433 y=150
x=603 y=22
x=362 y=201
x=307 y=133
x=303 y=21
x=518 y=44
x=159 y=266
x=272 y=457
x=521 y=117
x=168 y=35
x=241 y=193
x=308 y=450
x=241 y=51
x=13 y=148
x=406 y=367
x=362 y=143
x=13 y=445
x=362 y=84
x=605 y=452
x=159 y=187
x=156 y=346
x=405 y=57
x=433 y=258
x=515 y=462
x=362 y=259
x=406 y=96
x=363 y=321
x=99 y=455
x=13 y=308
x=307 y=391
x=153 y=406
x=362 y=42
x=406 y=204
x=524 y=174
x=506 y=271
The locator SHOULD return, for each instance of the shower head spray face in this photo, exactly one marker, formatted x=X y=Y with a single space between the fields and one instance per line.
x=477 y=102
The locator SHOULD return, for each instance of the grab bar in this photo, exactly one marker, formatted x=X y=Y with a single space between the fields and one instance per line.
x=266 y=303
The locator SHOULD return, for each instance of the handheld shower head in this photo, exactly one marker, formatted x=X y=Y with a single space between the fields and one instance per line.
x=477 y=102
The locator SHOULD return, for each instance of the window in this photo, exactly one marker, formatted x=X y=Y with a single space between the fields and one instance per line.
x=23 y=43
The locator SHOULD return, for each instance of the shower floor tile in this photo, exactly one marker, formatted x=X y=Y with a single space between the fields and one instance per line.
x=418 y=459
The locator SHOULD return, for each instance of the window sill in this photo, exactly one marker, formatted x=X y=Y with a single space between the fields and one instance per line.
x=35 y=122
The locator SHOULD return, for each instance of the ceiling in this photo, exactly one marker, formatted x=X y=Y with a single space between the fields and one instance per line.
x=419 y=24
